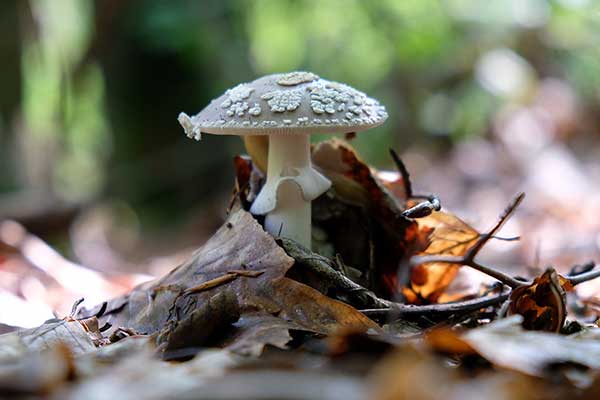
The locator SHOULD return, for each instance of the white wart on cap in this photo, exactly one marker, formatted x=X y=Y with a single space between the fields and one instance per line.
x=287 y=107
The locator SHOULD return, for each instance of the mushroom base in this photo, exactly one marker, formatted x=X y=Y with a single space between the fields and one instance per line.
x=292 y=216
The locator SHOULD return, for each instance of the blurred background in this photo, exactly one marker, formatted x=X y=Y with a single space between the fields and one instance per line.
x=485 y=99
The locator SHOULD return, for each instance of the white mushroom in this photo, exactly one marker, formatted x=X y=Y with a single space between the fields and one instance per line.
x=288 y=108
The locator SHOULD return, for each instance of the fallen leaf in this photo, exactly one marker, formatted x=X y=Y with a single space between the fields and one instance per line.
x=255 y=266
x=543 y=303
x=68 y=333
x=409 y=373
x=313 y=311
x=36 y=372
x=361 y=218
x=506 y=344
x=255 y=330
x=445 y=234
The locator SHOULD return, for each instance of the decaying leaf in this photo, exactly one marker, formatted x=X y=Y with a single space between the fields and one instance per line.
x=353 y=180
x=140 y=375
x=361 y=218
x=68 y=333
x=445 y=234
x=38 y=359
x=313 y=311
x=36 y=372
x=253 y=330
x=506 y=344
x=439 y=233
x=413 y=374
x=186 y=311
x=543 y=303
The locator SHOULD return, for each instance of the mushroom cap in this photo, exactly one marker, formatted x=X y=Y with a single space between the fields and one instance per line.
x=286 y=104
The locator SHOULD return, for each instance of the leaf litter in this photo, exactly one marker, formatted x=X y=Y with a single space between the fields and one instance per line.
x=366 y=316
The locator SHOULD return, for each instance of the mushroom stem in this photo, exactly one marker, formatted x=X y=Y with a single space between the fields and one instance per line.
x=291 y=218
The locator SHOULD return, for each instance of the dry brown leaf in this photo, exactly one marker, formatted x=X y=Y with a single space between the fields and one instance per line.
x=36 y=372
x=543 y=303
x=364 y=224
x=369 y=230
x=354 y=181
x=313 y=311
x=69 y=333
x=447 y=341
x=412 y=374
x=439 y=233
x=446 y=235
x=254 y=330
x=168 y=306
x=506 y=344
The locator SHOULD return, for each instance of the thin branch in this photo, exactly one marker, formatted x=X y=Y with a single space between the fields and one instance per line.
x=431 y=203
x=507 y=239
x=588 y=276
x=469 y=258
x=403 y=172
x=499 y=275
x=397 y=309
x=361 y=297
x=75 y=306
x=492 y=232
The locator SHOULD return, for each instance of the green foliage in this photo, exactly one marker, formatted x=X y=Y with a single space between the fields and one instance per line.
x=102 y=82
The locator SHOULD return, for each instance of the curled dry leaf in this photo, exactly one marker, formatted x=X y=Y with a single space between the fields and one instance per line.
x=439 y=233
x=189 y=318
x=543 y=303
x=362 y=219
x=445 y=234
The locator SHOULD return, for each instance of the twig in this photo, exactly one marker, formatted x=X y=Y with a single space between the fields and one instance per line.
x=225 y=278
x=423 y=209
x=588 y=276
x=581 y=268
x=431 y=310
x=469 y=257
x=362 y=297
x=246 y=273
x=75 y=307
x=228 y=277
x=431 y=203
x=403 y=172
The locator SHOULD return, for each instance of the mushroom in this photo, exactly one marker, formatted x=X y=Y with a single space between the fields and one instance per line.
x=288 y=108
